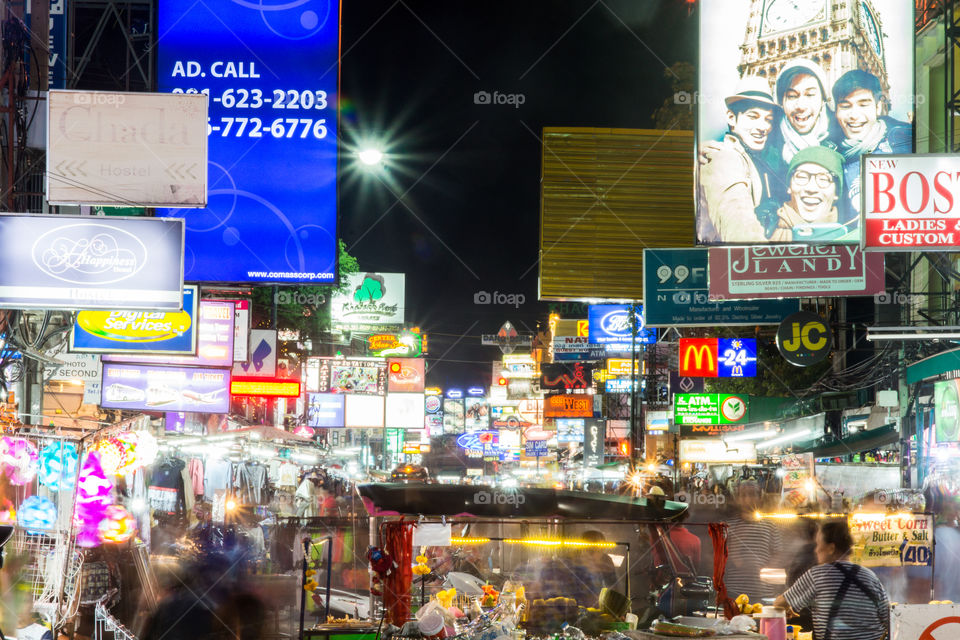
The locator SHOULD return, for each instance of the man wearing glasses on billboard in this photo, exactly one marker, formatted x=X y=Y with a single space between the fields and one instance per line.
x=815 y=185
x=859 y=100
x=734 y=177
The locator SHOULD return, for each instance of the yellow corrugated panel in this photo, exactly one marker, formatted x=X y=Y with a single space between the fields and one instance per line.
x=605 y=195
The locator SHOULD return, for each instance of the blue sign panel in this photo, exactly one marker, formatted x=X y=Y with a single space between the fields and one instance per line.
x=56 y=48
x=325 y=410
x=149 y=388
x=271 y=72
x=74 y=262
x=535 y=448
x=676 y=293
x=610 y=325
x=736 y=357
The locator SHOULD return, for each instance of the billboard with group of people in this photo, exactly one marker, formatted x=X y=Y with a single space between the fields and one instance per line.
x=791 y=95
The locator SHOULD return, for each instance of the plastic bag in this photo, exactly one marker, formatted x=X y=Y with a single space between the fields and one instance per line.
x=739 y=624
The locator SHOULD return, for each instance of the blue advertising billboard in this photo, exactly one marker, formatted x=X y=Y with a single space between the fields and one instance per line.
x=325 y=410
x=150 y=388
x=609 y=324
x=74 y=262
x=676 y=292
x=167 y=332
x=271 y=71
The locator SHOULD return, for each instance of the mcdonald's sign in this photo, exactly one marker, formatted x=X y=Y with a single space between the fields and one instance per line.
x=698 y=357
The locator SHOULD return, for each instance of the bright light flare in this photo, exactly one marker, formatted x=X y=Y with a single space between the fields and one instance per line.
x=370 y=156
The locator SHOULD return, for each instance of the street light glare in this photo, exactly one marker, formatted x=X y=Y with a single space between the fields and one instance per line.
x=370 y=156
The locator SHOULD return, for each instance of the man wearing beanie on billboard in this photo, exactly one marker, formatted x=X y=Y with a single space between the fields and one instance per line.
x=734 y=179
x=859 y=100
x=815 y=185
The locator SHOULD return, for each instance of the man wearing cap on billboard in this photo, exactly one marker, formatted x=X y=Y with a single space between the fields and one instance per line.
x=859 y=99
x=815 y=185
x=802 y=93
x=735 y=179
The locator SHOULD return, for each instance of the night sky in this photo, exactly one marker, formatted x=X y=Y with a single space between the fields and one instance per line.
x=457 y=208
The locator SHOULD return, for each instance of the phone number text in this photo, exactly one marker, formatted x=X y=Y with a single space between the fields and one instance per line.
x=255 y=98
x=279 y=128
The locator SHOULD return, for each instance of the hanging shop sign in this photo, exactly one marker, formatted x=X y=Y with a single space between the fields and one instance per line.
x=946 y=403
x=263 y=355
x=363 y=411
x=170 y=332
x=404 y=410
x=476 y=414
x=153 y=152
x=717 y=451
x=594 y=443
x=453 y=417
x=481 y=442
x=712 y=430
x=405 y=374
x=406 y=344
x=610 y=324
x=676 y=292
x=621 y=385
x=369 y=300
x=273 y=132
x=214 y=340
x=265 y=387
x=241 y=329
x=795 y=270
x=803 y=339
x=623 y=366
x=891 y=540
x=536 y=448
x=568 y=406
x=710 y=408
x=76 y=366
x=570 y=429
x=68 y=262
x=153 y=388
x=718 y=357
x=566 y=377
x=910 y=202
x=755 y=108
x=685 y=384
x=657 y=421
x=325 y=410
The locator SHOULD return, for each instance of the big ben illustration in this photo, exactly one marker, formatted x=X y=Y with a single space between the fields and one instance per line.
x=838 y=35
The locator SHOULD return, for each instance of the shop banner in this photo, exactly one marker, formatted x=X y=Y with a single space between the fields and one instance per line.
x=891 y=540
x=789 y=95
x=925 y=621
x=476 y=414
x=794 y=270
x=566 y=377
x=535 y=449
x=568 y=406
x=453 y=418
x=73 y=262
x=717 y=451
x=676 y=292
x=76 y=366
x=271 y=72
x=149 y=388
x=263 y=355
x=351 y=376
x=241 y=329
x=710 y=408
x=369 y=300
x=214 y=340
x=570 y=429
x=363 y=411
x=594 y=443
x=404 y=410
x=325 y=410
x=610 y=324
x=910 y=202
x=797 y=488
x=713 y=430
x=405 y=374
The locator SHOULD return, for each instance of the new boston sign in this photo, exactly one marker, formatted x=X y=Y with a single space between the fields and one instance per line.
x=73 y=262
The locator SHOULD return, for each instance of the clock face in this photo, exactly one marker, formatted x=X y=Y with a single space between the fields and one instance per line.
x=781 y=15
x=870 y=28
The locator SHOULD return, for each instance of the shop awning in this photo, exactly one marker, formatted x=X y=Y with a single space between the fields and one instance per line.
x=933 y=366
x=863 y=441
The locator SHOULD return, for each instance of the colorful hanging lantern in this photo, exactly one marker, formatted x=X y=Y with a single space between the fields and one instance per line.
x=147 y=448
x=118 y=525
x=93 y=498
x=20 y=459
x=58 y=466
x=113 y=456
x=128 y=440
x=8 y=515
x=37 y=514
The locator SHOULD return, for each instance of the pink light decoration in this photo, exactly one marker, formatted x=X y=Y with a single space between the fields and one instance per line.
x=113 y=456
x=20 y=459
x=93 y=497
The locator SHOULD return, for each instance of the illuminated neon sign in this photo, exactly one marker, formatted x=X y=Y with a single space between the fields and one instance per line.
x=265 y=387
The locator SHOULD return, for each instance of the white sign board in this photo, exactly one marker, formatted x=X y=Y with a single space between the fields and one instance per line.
x=911 y=203
x=127 y=149
x=263 y=356
x=76 y=366
x=404 y=411
x=925 y=621
x=369 y=299
x=717 y=451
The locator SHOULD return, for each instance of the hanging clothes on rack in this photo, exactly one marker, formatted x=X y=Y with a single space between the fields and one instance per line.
x=195 y=467
x=166 y=492
x=250 y=479
x=217 y=476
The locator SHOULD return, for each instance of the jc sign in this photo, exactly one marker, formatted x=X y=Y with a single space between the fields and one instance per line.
x=803 y=339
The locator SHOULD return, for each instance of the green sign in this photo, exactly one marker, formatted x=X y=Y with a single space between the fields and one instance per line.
x=119 y=211
x=394 y=441
x=709 y=408
x=946 y=402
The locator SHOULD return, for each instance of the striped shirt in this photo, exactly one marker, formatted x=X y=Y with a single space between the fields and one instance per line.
x=751 y=546
x=860 y=616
